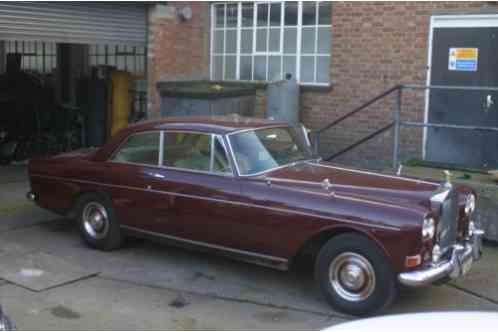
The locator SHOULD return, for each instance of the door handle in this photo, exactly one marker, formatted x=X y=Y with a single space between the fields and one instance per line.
x=489 y=102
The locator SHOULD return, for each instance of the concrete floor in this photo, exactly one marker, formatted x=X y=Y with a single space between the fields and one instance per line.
x=148 y=286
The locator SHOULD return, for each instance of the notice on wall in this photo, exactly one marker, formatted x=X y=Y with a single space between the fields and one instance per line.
x=463 y=59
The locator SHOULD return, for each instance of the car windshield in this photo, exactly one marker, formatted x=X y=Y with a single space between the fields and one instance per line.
x=260 y=150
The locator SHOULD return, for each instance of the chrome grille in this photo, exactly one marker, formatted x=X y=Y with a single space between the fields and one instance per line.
x=448 y=224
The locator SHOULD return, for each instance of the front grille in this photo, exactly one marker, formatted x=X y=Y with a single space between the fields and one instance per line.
x=448 y=224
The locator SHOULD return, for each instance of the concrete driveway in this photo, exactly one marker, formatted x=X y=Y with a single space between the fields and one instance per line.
x=148 y=286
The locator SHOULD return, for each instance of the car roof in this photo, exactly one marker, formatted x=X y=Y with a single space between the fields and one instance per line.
x=210 y=124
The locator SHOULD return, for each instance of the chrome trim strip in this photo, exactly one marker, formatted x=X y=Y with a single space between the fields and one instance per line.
x=227 y=154
x=312 y=183
x=161 y=148
x=281 y=210
x=211 y=157
x=207 y=245
x=373 y=173
x=232 y=156
x=238 y=131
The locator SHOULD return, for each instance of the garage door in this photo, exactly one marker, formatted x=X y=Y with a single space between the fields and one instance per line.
x=79 y=23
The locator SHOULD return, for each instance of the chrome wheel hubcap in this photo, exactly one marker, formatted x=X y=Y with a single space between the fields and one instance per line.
x=95 y=220
x=352 y=276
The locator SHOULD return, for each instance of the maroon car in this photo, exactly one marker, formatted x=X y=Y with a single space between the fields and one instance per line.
x=251 y=189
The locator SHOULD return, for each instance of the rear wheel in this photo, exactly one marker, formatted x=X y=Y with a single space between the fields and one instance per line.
x=98 y=224
x=354 y=275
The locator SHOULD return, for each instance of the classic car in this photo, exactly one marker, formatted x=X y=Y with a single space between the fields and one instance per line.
x=251 y=189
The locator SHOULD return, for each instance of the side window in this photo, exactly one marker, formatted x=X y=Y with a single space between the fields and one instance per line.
x=220 y=159
x=187 y=150
x=142 y=148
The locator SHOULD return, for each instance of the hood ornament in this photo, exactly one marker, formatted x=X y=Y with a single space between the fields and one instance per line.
x=448 y=175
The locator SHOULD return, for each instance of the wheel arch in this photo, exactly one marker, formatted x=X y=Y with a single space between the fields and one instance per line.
x=312 y=246
x=73 y=211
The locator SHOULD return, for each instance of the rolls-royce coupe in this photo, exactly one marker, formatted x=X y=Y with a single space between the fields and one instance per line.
x=251 y=189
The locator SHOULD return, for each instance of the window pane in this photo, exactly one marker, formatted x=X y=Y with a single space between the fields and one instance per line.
x=262 y=18
x=324 y=40
x=232 y=15
x=274 y=73
x=274 y=40
x=261 y=40
x=290 y=13
x=275 y=17
x=325 y=13
x=308 y=40
x=231 y=46
x=246 y=68
x=218 y=68
x=218 y=41
x=230 y=67
x=220 y=16
x=322 y=69
x=187 y=151
x=220 y=161
x=260 y=68
x=140 y=149
x=309 y=13
x=247 y=14
x=290 y=38
x=246 y=41
x=307 y=68
x=290 y=65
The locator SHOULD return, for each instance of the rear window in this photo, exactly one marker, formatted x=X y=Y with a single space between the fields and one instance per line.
x=142 y=148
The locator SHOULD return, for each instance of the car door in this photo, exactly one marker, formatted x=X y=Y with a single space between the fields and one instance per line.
x=197 y=184
x=127 y=175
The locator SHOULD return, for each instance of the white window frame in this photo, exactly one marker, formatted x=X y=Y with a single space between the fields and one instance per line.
x=299 y=26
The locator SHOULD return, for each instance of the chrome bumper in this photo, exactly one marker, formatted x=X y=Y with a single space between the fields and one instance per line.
x=462 y=256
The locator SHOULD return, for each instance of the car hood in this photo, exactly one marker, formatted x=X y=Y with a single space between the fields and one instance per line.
x=356 y=183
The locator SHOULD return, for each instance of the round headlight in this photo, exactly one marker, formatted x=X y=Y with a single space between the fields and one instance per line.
x=470 y=204
x=428 y=228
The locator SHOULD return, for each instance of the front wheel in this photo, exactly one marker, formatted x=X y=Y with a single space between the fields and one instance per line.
x=355 y=275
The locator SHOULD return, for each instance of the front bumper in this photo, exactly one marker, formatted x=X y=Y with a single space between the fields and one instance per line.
x=462 y=256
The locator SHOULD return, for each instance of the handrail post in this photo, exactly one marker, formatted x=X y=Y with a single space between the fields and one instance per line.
x=316 y=139
x=397 y=117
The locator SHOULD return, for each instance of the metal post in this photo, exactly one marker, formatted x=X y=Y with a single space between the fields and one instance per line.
x=397 y=116
x=316 y=138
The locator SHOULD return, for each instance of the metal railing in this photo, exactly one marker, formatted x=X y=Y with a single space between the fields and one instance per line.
x=397 y=123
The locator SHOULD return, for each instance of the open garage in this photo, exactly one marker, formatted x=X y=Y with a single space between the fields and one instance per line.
x=71 y=75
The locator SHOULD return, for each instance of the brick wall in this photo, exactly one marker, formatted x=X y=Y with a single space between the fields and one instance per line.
x=375 y=45
x=178 y=50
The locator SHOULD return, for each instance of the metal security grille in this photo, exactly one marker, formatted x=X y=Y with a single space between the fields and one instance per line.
x=36 y=56
x=448 y=224
x=79 y=23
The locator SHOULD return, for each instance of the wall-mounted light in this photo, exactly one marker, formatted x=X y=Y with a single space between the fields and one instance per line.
x=184 y=14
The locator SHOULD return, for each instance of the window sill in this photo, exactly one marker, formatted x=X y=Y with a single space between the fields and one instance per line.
x=317 y=87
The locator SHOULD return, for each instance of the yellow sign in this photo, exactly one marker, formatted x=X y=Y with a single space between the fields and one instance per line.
x=466 y=53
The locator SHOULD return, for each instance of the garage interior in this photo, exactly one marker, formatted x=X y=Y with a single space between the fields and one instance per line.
x=71 y=75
